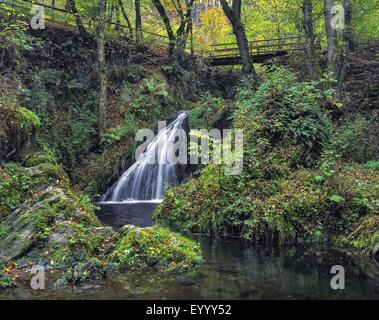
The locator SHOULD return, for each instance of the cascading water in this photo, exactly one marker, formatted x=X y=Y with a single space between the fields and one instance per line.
x=147 y=179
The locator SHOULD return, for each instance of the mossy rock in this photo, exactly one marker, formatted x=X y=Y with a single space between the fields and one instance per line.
x=155 y=247
x=18 y=126
x=38 y=158
x=50 y=224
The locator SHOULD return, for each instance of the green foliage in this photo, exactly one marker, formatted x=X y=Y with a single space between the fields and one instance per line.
x=366 y=235
x=129 y=128
x=206 y=112
x=73 y=134
x=14 y=189
x=357 y=140
x=41 y=157
x=6 y=282
x=365 y=18
x=274 y=199
x=155 y=247
x=151 y=100
x=293 y=209
x=374 y=165
x=282 y=112
x=28 y=120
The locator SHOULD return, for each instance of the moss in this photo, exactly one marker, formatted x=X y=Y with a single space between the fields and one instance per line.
x=17 y=125
x=38 y=158
x=14 y=187
x=27 y=120
x=157 y=248
x=48 y=174
x=77 y=238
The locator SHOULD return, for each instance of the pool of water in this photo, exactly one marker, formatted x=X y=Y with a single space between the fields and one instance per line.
x=232 y=271
x=118 y=214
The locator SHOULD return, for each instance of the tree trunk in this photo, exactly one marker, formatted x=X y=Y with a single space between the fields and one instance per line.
x=118 y=17
x=102 y=67
x=331 y=36
x=243 y=45
x=137 y=6
x=126 y=18
x=184 y=30
x=310 y=39
x=82 y=31
x=234 y=15
x=163 y=14
x=347 y=38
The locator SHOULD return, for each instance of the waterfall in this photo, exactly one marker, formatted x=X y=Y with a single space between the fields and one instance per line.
x=145 y=181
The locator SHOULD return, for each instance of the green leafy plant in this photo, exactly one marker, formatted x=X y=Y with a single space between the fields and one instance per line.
x=129 y=128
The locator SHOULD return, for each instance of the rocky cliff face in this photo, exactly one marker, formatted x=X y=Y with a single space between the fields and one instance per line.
x=49 y=225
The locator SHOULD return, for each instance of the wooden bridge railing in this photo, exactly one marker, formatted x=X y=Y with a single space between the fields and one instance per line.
x=259 y=47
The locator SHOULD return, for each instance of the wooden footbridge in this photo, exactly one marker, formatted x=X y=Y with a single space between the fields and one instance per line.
x=226 y=54
x=260 y=50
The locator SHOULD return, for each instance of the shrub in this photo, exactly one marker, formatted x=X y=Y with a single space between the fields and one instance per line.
x=149 y=100
x=284 y=112
x=6 y=282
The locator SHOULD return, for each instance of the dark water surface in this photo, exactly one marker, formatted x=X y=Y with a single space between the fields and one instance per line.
x=119 y=214
x=231 y=271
